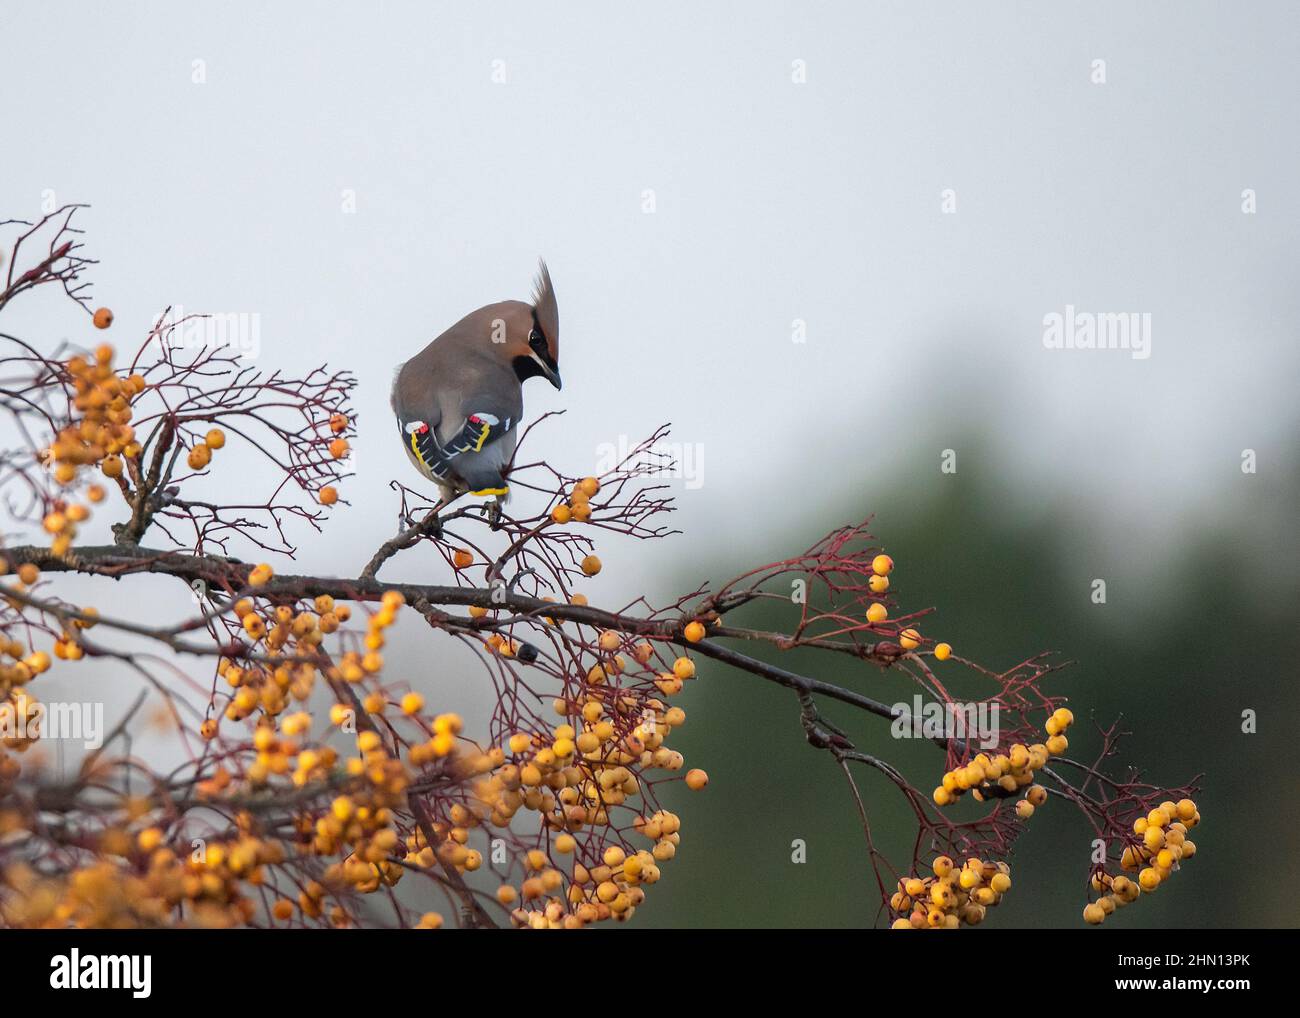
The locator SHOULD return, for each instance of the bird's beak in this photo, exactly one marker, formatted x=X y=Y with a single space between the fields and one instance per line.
x=549 y=369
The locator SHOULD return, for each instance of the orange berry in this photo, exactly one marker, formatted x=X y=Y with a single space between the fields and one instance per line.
x=338 y=423
x=696 y=779
x=328 y=495
x=910 y=639
x=882 y=565
x=103 y=318
x=878 y=584
x=112 y=466
x=877 y=613
x=28 y=573
x=588 y=486
x=942 y=651
x=694 y=632
x=591 y=565
x=684 y=668
x=339 y=448
x=199 y=457
x=215 y=439
x=462 y=558
x=561 y=514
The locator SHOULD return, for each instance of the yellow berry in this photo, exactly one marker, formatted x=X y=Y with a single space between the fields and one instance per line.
x=412 y=703
x=882 y=565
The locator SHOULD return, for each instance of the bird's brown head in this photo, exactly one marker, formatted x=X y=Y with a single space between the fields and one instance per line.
x=539 y=353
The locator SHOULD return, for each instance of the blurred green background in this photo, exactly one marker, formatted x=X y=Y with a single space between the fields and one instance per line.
x=1179 y=657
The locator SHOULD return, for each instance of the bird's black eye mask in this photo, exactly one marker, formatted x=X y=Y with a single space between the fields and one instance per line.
x=526 y=367
x=539 y=364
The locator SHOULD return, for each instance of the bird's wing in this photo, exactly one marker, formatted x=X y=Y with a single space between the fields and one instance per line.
x=480 y=450
x=418 y=418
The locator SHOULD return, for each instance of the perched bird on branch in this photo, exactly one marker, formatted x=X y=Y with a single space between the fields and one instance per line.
x=459 y=400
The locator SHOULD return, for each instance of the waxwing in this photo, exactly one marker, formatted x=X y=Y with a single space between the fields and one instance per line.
x=459 y=400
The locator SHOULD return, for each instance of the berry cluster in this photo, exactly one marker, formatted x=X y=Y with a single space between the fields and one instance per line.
x=577 y=507
x=1160 y=847
x=1004 y=774
x=951 y=896
x=102 y=435
x=575 y=777
x=200 y=455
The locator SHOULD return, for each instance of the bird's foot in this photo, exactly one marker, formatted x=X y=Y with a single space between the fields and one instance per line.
x=432 y=524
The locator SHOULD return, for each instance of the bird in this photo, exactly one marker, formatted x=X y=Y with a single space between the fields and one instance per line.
x=459 y=400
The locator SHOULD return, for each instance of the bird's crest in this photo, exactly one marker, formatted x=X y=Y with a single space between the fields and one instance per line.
x=546 y=310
